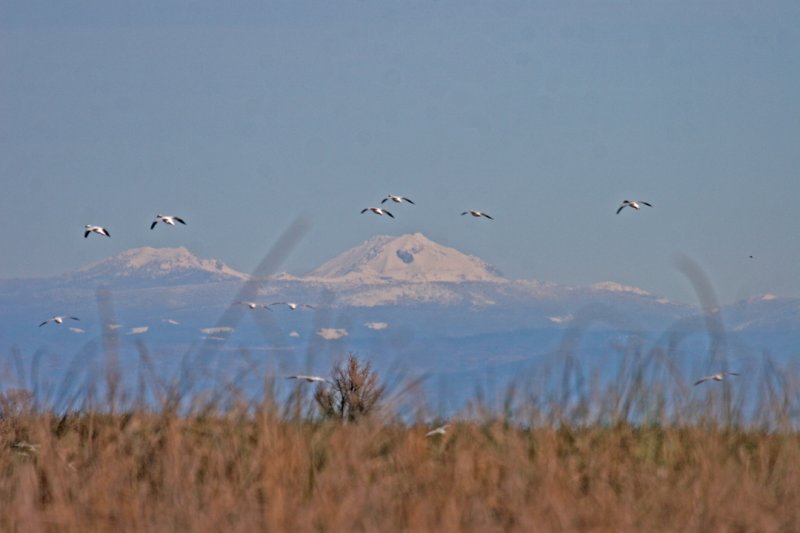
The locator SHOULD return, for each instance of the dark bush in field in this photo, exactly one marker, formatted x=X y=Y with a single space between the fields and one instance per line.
x=354 y=392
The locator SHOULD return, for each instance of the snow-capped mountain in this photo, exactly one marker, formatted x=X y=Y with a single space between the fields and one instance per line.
x=409 y=270
x=439 y=304
x=407 y=258
x=154 y=266
x=405 y=271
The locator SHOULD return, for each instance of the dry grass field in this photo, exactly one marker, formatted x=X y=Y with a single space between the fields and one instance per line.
x=271 y=467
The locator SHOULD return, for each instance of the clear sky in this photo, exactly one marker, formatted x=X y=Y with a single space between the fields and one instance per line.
x=240 y=116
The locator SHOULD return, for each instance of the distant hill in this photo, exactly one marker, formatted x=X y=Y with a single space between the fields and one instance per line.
x=403 y=281
x=407 y=258
x=148 y=266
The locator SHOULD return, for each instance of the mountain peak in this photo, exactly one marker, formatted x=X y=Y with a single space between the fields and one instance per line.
x=147 y=263
x=408 y=258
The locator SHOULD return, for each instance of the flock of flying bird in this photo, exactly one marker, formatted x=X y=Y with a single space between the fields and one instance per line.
x=170 y=220
x=400 y=199
x=166 y=219
x=291 y=305
x=633 y=204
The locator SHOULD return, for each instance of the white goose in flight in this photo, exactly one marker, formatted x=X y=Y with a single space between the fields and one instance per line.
x=166 y=219
x=441 y=430
x=397 y=199
x=253 y=305
x=633 y=204
x=309 y=379
x=377 y=211
x=476 y=214
x=59 y=320
x=291 y=305
x=100 y=230
x=715 y=377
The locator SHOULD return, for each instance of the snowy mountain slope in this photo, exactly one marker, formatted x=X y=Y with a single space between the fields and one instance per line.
x=154 y=266
x=407 y=258
x=767 y=313
x=400 y=288
x=405 y=271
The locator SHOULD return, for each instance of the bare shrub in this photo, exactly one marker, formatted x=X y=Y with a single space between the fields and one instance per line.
x=354 y=392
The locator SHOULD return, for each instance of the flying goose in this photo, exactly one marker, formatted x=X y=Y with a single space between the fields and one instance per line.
x=715 y=377
x=100 y=230
x=166 y=219
x=632 y=203
x=397 y=199
x=58 y=320
x=253 y=305
x=291 y=305
x=441 y=430
x=309 y=379
x=476 y=214
x=24 y=447
x=377 y=211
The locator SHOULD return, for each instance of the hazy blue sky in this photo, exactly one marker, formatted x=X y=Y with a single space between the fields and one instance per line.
x=544 y=114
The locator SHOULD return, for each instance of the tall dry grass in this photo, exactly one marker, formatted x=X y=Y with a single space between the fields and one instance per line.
x=542 y=464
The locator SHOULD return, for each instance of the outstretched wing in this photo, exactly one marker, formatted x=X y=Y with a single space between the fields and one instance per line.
x=179 y=220
x=441 y=430
x=623 y=206
x=382 y=201
x=153 y=225
x=487 y=216
x=45 y=322
x=647 y=204
x=364 y=210
x=702 y=380
x=86 y=233
x=408 y=200
x=388 y=213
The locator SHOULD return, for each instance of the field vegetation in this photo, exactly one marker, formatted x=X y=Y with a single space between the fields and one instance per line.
x=636 y=455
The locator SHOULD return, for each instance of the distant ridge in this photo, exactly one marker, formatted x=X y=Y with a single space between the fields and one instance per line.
x=390 y=274
x=405 y=258
x=148 y=265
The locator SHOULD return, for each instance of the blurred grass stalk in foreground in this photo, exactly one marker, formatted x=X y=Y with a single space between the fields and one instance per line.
x=639 y=454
